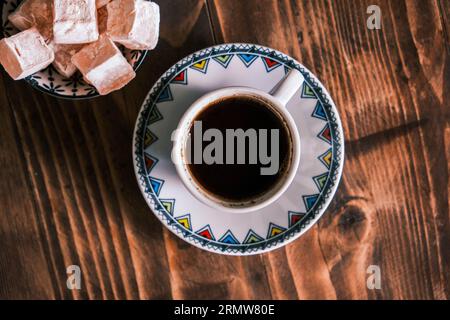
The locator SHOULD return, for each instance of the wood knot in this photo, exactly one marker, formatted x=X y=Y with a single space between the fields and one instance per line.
x=353 y=225
x=347 y=233
x=352 y=218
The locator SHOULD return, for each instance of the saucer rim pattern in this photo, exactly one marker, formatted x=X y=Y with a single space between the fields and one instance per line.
x=161 y=89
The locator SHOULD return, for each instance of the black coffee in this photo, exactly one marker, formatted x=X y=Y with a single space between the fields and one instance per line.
x=229 y=178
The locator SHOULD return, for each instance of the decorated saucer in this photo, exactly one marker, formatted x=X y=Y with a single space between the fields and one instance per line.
x=303 y=203
x=49 y=80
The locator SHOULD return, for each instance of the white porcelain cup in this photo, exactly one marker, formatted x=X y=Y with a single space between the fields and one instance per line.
x=276 y=100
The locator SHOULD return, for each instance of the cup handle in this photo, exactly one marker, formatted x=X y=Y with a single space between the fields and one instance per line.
x=285 y=89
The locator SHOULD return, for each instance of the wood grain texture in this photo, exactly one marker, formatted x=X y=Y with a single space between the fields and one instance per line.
x=68 y=193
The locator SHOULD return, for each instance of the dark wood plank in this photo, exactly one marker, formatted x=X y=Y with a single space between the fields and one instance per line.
x=444 y=12
x=197 y=274
x=24 y=267
x=179 y=16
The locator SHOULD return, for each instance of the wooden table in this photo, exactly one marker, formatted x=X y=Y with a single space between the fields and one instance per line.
x=68 y=194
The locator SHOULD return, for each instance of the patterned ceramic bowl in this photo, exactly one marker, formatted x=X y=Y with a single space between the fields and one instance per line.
x=49 y=80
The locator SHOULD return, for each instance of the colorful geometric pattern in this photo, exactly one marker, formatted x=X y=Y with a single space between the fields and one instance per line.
x=229 y=238
x=307 y=92
x=325 y=134
x=154 y=116
x=326 y=158
x=296 y=221
x=320 y=180
x=168 y=204
x=310 y=200
x=150 y=162
x=185 y=221
x=201 y=66
x=224 y=60
x=295 y=217
x=166 y=95
x=247 y=59
x=274 y=230
x=180 y=78
x=252 y=237
x=156 y=184
x=150 y=138
x=206 y=233
x=270 y=64
x=319 y=112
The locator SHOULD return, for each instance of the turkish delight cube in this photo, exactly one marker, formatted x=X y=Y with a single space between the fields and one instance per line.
x=25 y=53
x=133 y=23
x=63 y=58
x=103 y=65
x=102 y=17
x=74 y=21
x=34 y=13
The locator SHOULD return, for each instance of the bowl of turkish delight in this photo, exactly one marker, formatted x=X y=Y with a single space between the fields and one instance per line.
x=77 y=49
